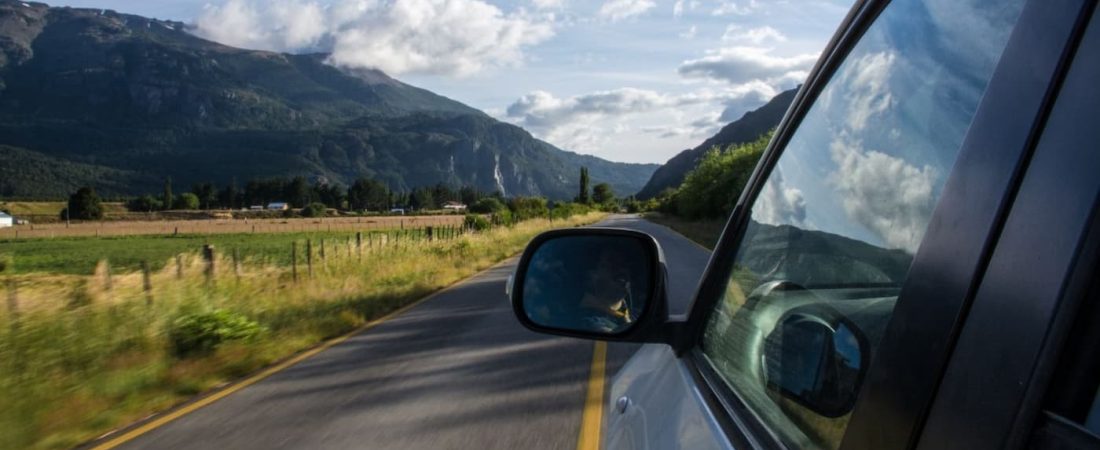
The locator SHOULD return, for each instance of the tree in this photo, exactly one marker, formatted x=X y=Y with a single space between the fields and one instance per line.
x=315 y=209
x=166 y=200
x=422 y=199
x=329 y=194
x=84 y=204
x=370 y=195
x=469 y=195
x=582 y=197
x=187 y=201
x=602 y=194
x=524 y=208
x=206 y=194
x=228 y=197
x=298 y=192
x=145 y=203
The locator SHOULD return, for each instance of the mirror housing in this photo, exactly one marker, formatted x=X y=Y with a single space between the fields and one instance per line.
x=593 y=283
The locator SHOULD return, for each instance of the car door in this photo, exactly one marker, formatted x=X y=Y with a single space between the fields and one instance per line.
x=832 y=301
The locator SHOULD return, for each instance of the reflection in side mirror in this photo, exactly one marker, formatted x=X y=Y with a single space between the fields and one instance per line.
x=816 y=362
x=595 y=283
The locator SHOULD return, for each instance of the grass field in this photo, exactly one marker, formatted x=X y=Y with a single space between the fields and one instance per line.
x=80 y=255
x=83 y=354
x=52 y=208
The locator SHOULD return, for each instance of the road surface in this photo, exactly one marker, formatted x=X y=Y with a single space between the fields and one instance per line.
x=456 y=371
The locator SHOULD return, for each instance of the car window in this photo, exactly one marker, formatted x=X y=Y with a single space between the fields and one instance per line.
x=834 y=230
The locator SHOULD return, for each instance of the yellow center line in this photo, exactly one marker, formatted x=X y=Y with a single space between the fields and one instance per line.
x=589 y=438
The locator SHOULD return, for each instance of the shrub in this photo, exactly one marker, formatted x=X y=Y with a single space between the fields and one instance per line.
x=145 y=203
x=564 y=211
x=201 y=333
x=711 y=189
x=186 y=200
x=487 y=205
x=314 y=210
x=476 y=222
x=524 y=208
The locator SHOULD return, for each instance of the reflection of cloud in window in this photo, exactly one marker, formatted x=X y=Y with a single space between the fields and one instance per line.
x=956 y=24
x=779 y=204
x=866 y=91
x=886 y=194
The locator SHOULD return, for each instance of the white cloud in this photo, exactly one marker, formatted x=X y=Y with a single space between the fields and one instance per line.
x=726 y=8
x=689 y=33
x=547 y=4
x=779 y=204
x=885 y=194
x=678 y=8
x=448 y=37
x=757 y=36
x=741 y=64
x=616 y=10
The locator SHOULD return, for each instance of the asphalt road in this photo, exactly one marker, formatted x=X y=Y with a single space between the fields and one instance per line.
x=456 y=371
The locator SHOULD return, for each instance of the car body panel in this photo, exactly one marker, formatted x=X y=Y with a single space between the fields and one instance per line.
x=664 y=409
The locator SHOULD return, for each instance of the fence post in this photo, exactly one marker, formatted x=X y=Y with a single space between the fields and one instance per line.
x=179 y=267
x=429 y=231
x=237 y=263
x=309 y=257
x=323 y=259
x=208 y=256
x=294 y=261
x=359 y=244
x=146 y=283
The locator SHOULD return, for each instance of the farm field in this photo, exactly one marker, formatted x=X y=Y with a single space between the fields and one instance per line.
x=81 y=354
x=224 y=226
x=80 y=255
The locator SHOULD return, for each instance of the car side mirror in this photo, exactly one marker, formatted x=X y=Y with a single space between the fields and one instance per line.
x=596 y=283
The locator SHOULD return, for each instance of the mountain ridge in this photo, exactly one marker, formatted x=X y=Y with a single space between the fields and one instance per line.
x=746 y=129
x=128 y=94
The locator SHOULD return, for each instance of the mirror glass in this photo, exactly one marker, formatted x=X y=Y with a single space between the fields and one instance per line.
x=591 y=284
x=815 y=363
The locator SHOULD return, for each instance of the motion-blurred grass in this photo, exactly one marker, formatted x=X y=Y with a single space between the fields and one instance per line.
x=82 y=354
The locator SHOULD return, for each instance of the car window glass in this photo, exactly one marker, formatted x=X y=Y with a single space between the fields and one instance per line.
x=834 y=230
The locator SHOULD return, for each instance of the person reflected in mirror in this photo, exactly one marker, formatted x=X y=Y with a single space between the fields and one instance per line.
x=605 y=304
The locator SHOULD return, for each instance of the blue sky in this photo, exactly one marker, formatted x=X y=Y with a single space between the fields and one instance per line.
x=626 y=80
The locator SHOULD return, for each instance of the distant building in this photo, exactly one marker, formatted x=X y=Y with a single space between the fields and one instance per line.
x=455 y=206
x=278 y=206
x=6 y=220
x=400 y=211
x=256 y=207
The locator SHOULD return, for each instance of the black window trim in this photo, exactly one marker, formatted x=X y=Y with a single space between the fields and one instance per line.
x=866 y=426
x=1025 y=359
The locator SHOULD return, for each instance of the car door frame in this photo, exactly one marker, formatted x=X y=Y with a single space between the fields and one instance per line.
x=948 y=267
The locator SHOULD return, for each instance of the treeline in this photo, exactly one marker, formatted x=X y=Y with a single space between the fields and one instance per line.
x=711 y=190
x=363 y=195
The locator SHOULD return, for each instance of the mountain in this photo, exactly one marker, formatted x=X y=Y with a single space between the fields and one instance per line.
x=746 y=129
x=121 y=102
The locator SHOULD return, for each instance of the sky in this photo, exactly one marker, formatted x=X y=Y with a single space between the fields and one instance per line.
x=625 y=80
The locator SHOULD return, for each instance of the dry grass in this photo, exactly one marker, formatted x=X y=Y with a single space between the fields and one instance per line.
x=81 y=355
x=223 y=226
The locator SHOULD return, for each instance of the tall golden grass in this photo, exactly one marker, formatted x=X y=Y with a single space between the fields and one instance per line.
x=81 y=355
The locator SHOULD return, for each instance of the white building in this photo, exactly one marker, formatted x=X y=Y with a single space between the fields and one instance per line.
x=278 y=206
x=6 y=220
x=455 y=206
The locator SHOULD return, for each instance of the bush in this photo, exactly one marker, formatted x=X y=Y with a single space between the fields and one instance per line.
x=314 y=210
x=186 y=200
x=488 y=205
x=525 y=208
x=713 y=187
x=476 y=222
x=564 y=211
x=201 y=333
x=145 y=203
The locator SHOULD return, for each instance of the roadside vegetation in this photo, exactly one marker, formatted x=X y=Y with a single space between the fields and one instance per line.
x=699 y=207
x=83 y=354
